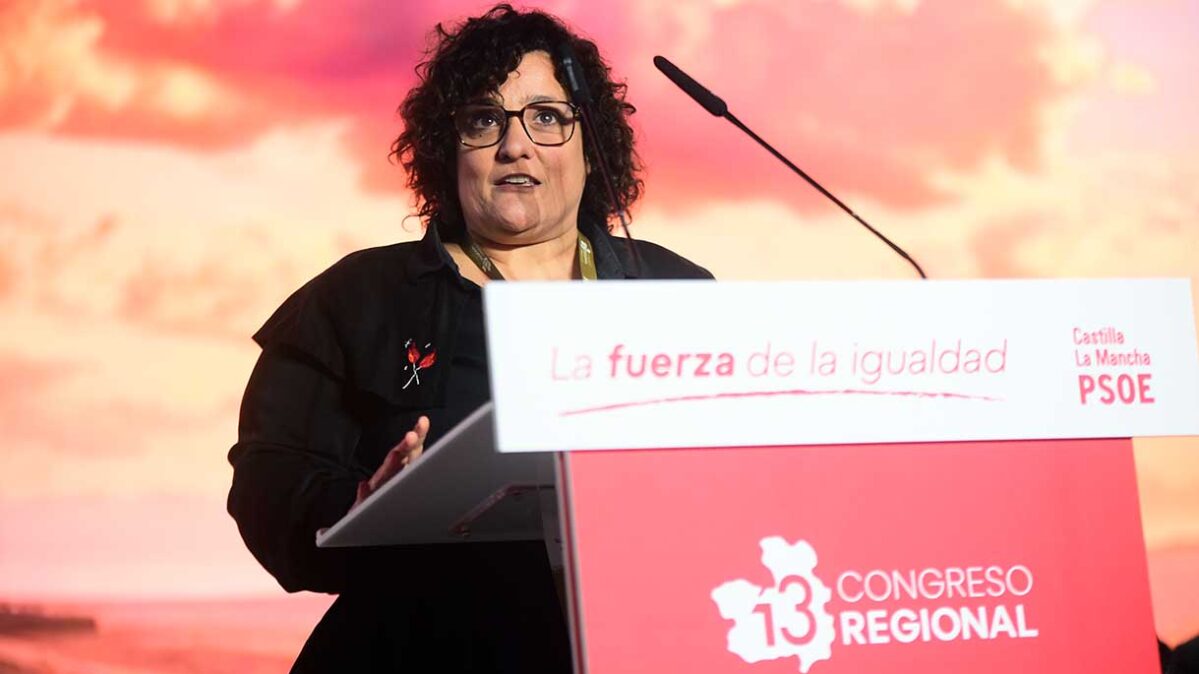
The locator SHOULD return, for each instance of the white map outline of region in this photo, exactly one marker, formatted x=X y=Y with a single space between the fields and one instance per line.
x=737 y=600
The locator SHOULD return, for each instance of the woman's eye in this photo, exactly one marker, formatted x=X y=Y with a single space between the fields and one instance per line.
x=547 y=118
x=484 y=119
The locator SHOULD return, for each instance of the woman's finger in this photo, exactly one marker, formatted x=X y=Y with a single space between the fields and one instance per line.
x=393 y=462
x=421 y=431
x=411 y=446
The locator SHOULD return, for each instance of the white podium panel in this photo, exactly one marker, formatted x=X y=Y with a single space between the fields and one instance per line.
x=615 y=365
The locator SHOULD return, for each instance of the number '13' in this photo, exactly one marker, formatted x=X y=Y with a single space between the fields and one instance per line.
x=802 y=608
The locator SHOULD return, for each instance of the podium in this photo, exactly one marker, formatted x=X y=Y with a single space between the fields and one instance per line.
x=832 y=477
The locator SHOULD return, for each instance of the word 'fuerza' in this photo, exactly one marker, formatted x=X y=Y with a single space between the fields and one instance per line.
x=702 y=364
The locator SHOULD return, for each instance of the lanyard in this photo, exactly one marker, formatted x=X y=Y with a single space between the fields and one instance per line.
x=476 y=255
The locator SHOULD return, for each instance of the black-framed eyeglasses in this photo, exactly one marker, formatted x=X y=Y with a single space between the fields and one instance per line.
x=547 y=122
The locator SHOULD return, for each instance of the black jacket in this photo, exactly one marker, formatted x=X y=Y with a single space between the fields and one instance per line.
x=324 y=405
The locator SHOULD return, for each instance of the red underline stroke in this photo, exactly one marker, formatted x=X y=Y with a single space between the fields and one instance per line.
x=769 y=394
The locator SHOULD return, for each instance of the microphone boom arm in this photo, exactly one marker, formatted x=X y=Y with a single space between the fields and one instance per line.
x=820 y=188
x=715 y=105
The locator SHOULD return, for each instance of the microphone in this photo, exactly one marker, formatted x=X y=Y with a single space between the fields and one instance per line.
x=710 y=101
x=577 y=84
x=715 y=105
x=580 y=95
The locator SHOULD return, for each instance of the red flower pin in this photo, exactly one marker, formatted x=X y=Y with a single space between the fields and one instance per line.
x=418 y=362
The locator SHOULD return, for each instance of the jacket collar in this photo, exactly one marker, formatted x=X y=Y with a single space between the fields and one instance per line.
x=608 y=261
x=431 y=255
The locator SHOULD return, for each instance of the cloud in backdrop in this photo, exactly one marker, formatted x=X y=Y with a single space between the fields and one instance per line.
x=173 y=168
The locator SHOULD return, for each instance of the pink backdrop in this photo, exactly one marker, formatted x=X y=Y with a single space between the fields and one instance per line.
x=171 y=169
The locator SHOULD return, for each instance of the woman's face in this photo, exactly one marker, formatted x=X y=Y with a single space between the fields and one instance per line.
x=547 y=204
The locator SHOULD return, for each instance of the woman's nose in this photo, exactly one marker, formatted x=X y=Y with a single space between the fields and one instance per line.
x=515 y=142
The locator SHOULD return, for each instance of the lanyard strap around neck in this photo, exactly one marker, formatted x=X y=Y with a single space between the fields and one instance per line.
x=476 y=255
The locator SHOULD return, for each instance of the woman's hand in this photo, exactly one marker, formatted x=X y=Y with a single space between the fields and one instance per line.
x=404 y=453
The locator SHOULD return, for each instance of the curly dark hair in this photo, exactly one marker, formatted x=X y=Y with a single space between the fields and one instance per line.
x=473 y=59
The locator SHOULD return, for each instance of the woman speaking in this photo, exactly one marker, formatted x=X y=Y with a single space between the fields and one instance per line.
x=384 y=351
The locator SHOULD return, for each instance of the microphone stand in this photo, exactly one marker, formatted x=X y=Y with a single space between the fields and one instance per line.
x=715 y=105
x=581 y=96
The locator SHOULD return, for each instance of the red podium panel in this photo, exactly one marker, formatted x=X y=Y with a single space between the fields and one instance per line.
x=949 y=557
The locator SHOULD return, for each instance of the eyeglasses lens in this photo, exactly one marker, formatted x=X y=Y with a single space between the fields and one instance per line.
x=547 y=123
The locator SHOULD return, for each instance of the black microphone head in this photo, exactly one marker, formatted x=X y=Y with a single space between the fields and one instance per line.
x=576 y=84
x=711 y=102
